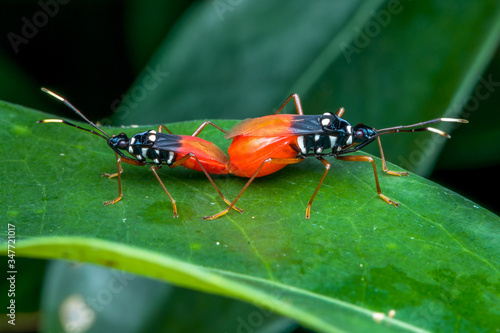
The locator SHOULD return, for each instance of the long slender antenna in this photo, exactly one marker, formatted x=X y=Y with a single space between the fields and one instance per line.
x=418 y=127
x=70 y=124
x=404 y=128
x=65 y=101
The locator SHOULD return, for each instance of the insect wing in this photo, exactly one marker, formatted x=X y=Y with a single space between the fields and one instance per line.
x=276 y=125
x=168 y=142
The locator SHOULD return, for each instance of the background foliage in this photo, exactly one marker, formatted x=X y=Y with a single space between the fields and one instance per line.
x=175 y=61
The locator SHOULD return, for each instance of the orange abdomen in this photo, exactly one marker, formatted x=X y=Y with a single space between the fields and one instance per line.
x=210 y=156
x=247 y=153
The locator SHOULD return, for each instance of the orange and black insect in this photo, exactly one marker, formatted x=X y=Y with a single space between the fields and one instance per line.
x=155 y=148
x=262 y=146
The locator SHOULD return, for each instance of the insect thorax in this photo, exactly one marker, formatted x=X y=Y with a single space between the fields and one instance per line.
x=142 y=147
x=324 y=144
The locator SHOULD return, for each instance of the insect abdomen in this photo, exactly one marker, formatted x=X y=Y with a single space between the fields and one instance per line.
x=210 y=156
x=247 y=153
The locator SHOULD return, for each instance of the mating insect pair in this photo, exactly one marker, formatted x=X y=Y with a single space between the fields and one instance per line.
x=259 y=147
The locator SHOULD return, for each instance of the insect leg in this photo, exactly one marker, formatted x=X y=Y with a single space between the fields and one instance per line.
x=191 y=155
x=384 y=163
x=123 y=159
x=154 y=168
x=118 y=173
x=202 y=126
x=163 y=127
x=112 y=175
x=327 y=168
x=363 y=158
x=269 y=160
x=340 y=112
x=119 y=168
x=298 y=104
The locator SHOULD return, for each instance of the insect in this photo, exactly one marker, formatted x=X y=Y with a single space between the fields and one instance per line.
x=262 y=146
x=155 y=148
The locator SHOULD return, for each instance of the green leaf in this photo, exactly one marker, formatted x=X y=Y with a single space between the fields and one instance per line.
x=434 y=260
x=387 y=62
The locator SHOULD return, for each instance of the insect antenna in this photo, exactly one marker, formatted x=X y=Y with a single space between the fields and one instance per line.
x=418 y=127
x=62 y=99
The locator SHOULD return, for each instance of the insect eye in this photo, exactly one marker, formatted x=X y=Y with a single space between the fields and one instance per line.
x=359 y=134
x=122 y=144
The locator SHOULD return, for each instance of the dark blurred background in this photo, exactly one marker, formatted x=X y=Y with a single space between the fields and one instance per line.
x=89 y=51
